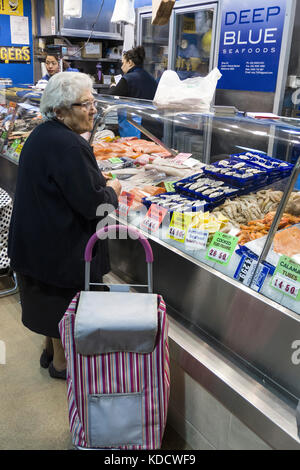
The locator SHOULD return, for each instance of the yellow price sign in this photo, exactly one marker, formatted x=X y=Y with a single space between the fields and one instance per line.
x=180 y=222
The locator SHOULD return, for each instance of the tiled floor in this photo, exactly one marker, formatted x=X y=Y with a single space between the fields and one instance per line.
x=33 y=406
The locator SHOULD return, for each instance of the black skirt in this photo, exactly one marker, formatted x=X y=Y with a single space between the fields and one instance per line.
x=43 y=305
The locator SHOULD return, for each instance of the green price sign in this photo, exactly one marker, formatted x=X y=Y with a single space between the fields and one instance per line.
x=286 y=278
x=169 y=185
x=221 y=248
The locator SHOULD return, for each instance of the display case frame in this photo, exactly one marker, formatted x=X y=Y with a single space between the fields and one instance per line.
x=251 y=340
x=256 y=331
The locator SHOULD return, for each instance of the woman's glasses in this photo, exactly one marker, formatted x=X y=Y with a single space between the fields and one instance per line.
x=86 y=104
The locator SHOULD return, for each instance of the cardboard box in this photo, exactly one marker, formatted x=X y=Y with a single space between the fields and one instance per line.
x=92 y=50
x=161 y=11
x=74 y=51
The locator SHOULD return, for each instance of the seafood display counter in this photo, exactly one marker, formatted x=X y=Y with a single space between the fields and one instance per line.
x=19 y=115
x=218 y=198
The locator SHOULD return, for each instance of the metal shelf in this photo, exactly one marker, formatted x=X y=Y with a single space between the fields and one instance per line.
x=83 y=59
x=90 y=60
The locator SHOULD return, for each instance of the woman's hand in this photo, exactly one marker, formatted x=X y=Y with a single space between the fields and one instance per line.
x=116 y=185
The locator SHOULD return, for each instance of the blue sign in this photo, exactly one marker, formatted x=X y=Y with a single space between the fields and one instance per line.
x=21 y=72
x=250 y=43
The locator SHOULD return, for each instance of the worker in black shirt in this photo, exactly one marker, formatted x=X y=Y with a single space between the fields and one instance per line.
x=135 y=83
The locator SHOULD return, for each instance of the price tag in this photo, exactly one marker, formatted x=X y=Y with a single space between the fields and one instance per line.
x=169 y=185
x=179 y=225
x=196 y=239
x=115 y=160
x=245 y=272
x=15 y=144
x=125 y=201
x=4 y=135
x=286 y=278
x=153 y=218
x=181 y=157
x=221 y=248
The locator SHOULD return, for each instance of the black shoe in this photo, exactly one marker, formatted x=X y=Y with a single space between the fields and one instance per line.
x=56 y=374
x=45 y=359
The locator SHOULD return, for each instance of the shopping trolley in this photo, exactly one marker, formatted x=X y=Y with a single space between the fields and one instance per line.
x=116 y=347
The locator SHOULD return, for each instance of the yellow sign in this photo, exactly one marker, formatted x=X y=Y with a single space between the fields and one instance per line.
x=11 y=7
x=11 y=54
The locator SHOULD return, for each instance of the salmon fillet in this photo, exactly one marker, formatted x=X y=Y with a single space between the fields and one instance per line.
x=287 y=242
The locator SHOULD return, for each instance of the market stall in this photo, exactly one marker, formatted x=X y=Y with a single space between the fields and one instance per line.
x=222 y=210
x=223 y=219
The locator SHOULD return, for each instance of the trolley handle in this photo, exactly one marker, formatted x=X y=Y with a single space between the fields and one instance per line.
x=143 y=240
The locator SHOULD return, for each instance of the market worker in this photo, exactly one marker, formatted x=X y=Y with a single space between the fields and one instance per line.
x=53 y=67
x=135 y=83
x=58 y=191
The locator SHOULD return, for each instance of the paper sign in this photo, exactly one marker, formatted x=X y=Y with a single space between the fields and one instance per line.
x=245 y=271
x=92 y=48
x=169 y=185
x=117 y=78
x=19 y=30
x=125 y=201
x=181 y=157
x=115 y=160
x=286 y=277
x=191 y=162
x=196 y=239
x=179 y=225
x=221 y=248
x=154 y=218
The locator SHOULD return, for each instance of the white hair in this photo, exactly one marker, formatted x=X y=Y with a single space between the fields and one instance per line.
x=62 y=90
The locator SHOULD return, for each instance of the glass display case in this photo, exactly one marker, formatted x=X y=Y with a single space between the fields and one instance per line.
x=218 y=195
x=216 y=183
x=19 y=115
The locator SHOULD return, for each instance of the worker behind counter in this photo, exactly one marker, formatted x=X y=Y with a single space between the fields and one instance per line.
x=53 y=67
x=135 y=83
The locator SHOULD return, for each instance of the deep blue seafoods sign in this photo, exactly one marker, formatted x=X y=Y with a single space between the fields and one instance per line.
x=250 y=43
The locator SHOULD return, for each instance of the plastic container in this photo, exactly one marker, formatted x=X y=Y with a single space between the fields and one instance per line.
x=236 y=176
x=184 y=203
x=272 y=165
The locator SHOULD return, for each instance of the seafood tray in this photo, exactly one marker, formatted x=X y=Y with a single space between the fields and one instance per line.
x=176 y=202
x=115 y=163
x=270 y=164
x=201 y=187
x=237 y=173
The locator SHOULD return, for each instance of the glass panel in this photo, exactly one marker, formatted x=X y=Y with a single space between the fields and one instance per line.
x=215 y=201
x=279 y=248
x=155 y=40
x=193 y=43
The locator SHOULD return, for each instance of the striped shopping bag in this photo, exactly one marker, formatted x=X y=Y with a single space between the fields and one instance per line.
x=129 y=378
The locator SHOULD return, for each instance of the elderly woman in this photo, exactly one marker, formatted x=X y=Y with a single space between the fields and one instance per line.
x=58 y=191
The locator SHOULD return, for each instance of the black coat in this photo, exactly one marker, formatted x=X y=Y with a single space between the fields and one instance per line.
x=136 y=83
x=59 y=188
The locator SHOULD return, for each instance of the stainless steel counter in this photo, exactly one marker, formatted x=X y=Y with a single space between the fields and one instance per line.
x=231 y=339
